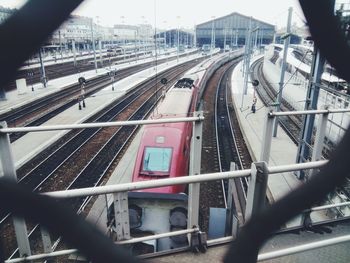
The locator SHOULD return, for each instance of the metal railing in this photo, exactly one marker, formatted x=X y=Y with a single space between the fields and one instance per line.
x=258 y=174
x=320 y=133
x=101 y=190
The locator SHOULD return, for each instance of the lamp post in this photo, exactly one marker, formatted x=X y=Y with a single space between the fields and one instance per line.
x=178 y=38
x=225 y=39
x=93 y=43
x=42 y=69
x=143 y=40
x=99 y=38
x=212 y=42
x=283 y=68
x=60 y=40
x=164 y=36
x=194 y=43
x=123 y=23
x=247 y=61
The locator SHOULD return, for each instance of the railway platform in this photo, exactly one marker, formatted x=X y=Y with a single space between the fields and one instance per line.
x=252 y=124
x=70 y=58
x=31 y=144
x=283 y=150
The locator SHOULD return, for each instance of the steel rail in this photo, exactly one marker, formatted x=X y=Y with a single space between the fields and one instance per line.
x=138 y=92
x=236 y=147
x=217 y=138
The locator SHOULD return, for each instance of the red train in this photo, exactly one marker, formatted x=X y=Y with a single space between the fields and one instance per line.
x=164 y=152
x=165 y=148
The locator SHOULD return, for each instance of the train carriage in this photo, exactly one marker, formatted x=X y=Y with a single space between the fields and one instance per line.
x=164 y=152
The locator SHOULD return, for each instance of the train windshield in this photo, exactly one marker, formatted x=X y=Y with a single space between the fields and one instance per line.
x=157 y=159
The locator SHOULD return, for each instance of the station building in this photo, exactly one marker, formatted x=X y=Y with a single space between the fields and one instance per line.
x=171 y=37
x=234 y=28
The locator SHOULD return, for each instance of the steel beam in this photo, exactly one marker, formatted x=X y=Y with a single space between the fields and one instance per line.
x=97 y=125
x=9 y=172
x=256 y=195
x=121 y=213
x=45 y=236
x=232 y=222
x=195 y=169
x=319 y=138
x=283 y=68
x=42 y=69
x=303 y=153
x=267 y=138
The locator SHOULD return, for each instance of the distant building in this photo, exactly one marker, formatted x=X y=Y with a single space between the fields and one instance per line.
x=186 y=38
x=5 y=13
x=234 y=26
x=127 y=33
x=79 y=29
x=145 y=31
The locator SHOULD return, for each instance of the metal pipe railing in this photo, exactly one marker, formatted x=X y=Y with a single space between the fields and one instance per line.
x=307 y=112
x=324 y=207
x=295 y=167
x=303 y=248
x=92 y=191
x=162 y=235
x=43 y=256
x=98 y=125
x=108 y=189
x=261 y=257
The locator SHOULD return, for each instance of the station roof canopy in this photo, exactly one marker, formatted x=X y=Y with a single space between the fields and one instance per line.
x=232 y=20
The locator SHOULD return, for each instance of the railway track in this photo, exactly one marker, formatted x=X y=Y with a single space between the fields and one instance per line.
x=33 y=75
x=290 y=124
x=217 y=153
x=41 y=110
x=102 y=146
x=230 y=142
x=44 y=109
x=53 y=71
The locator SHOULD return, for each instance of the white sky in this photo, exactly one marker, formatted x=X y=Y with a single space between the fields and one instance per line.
x=190 y=12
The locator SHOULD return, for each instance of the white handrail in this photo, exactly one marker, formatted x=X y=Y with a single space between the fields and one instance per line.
x=108 y=189
x=306 y=112
x=42 y=256
x=162 y=235
x=98 y=125
x=261 y=257
x=303 y=248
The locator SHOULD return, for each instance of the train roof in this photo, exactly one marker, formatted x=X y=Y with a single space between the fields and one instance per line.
x=176 y=103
